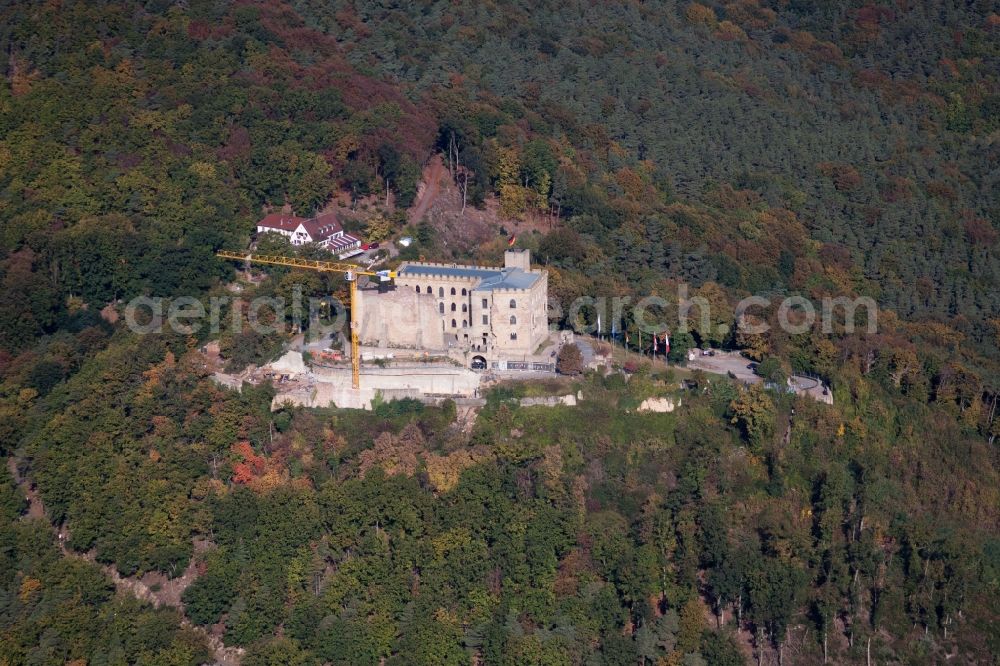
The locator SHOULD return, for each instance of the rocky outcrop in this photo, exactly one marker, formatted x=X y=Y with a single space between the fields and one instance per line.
x=660 y=405
x=550 y=401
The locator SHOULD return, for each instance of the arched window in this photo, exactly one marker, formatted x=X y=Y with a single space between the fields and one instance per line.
x=441 y=292
x=513 y=303
x=465 y=324
x=465 y=307
x=513 y=336
x=453 y=324
x=463 y=291
x=418 y=288
x=429 y=290
x=453 y=307
x=452 y=291
x=513 y=320
x=441 y=308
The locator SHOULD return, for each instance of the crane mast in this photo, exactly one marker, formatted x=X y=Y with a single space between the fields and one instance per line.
x=351 y=273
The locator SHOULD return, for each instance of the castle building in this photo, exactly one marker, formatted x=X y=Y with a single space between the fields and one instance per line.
x=490 y=310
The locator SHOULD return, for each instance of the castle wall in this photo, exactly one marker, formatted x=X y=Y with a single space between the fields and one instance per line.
x=517 y=259
x=480 y=320
x=530 y=313
x=454 y=310
x=399 y=318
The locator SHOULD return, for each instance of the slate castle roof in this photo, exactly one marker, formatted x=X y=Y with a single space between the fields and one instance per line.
x=489 y=278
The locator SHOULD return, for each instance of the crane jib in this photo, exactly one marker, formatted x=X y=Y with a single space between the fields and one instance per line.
x=350 y=271
x=308 y=264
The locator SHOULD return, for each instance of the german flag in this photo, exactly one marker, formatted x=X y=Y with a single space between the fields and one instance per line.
x=512 y=240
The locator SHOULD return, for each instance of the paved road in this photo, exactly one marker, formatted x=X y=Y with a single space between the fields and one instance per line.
x=315 y=345
x=368 y=257
x=586 y=350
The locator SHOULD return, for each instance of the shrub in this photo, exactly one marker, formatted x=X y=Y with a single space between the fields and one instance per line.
x=570 y=360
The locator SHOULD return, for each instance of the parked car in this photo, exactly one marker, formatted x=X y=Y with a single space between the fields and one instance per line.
x=369 y=246
x=478 y=364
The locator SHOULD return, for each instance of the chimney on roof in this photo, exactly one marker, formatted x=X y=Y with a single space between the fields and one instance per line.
x=286 y=209
x=519 y=258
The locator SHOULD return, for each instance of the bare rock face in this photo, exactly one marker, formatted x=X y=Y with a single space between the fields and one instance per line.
x=659 y=405
x=568 y=400
x=291 y=363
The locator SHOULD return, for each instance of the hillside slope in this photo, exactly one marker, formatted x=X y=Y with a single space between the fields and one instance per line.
x=774 y=148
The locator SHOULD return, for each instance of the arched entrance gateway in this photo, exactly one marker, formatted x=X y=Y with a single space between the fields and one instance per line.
x=478 y=362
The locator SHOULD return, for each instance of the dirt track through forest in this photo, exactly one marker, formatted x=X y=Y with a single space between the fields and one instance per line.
x=168 y=592
x=433 y=173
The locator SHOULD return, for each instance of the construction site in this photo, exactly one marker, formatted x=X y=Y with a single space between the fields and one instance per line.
x=312 y=377
x=405 y=340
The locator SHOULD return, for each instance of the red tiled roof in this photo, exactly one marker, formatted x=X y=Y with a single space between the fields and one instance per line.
x=319 y=228
x=323 y=226
x=281 y=221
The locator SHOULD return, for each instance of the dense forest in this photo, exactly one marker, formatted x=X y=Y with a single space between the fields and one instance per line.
x=774 y=147
x=538 y=537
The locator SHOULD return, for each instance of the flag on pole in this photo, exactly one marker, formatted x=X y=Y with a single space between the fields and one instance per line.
x=666 y=342
x=512 y=240
x=598 y=325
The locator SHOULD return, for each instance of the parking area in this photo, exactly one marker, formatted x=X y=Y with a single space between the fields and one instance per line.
x=736 y=365
x=724 y=363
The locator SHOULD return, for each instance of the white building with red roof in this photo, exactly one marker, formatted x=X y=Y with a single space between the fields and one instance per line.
x=325 y=230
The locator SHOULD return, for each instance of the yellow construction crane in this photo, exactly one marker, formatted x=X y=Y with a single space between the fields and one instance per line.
x=351 y=273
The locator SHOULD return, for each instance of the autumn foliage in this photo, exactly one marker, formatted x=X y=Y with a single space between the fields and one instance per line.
x=259 y=473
